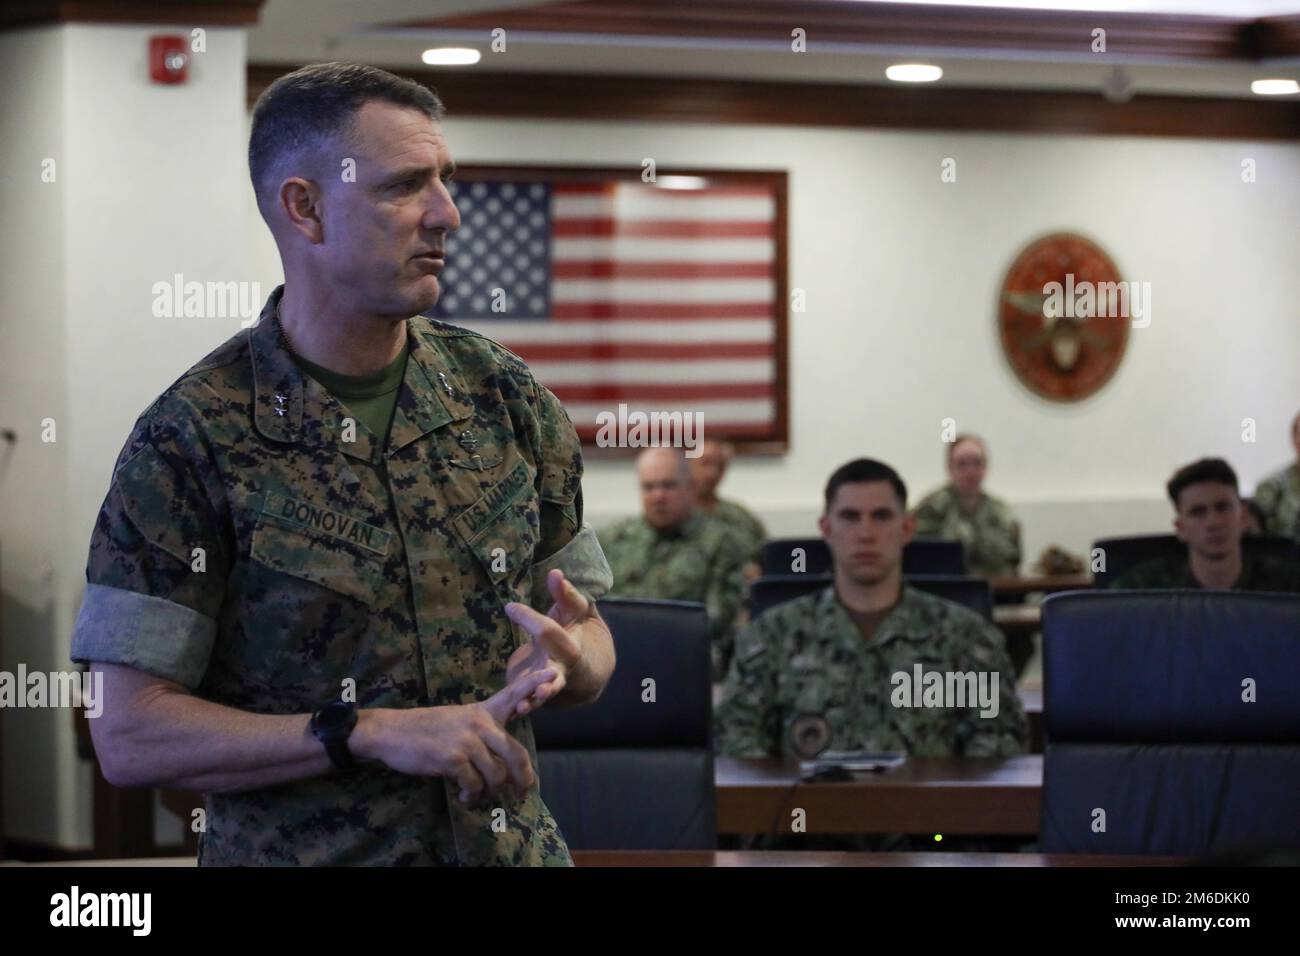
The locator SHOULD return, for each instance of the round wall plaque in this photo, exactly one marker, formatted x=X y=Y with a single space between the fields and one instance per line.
x=1063 y=316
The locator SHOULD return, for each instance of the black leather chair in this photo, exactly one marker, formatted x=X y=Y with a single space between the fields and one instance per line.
x=771 y=590
x=974 y=593
x=625 y=774
x=1145 y=721
x=1123 y=554
x=920 y=556
x=778 y=556
x=934 y=556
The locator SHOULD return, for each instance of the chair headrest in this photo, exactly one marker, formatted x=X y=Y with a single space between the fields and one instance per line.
x=1171 y=666
x=666 y=642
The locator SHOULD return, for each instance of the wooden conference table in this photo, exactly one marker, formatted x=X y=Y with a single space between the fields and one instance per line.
x=728 y=858
x=1039 y=584
x=964 y=795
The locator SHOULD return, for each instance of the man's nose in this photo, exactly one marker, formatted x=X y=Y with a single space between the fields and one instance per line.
x=442 y=212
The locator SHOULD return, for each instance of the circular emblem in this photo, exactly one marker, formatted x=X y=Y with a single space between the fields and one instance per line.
x=1064 y=315
x=809 y=735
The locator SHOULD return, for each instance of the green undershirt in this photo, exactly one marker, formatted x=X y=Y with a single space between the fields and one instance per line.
x=370 y=398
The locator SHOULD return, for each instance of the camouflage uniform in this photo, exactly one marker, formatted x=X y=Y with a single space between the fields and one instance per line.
x=1278 y=497
x=329 y=559
x=991 y=533
x=1257 y=574
x=743 y=525
x=699 y=560
x=806 y=660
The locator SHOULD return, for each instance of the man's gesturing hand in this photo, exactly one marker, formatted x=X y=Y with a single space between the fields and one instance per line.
x=468 y=742
x=555 y=644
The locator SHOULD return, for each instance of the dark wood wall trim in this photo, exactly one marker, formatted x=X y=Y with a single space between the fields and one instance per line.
x=707 y=100
x=29 y=13
x=1276 y=37
x=902 y=25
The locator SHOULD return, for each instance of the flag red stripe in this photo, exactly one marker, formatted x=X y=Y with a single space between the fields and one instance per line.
x=568 y=228
x=651 y=394
x=729 y=429
x=611 y=269
x=587 y=189
x=667 y=311
x=532 y=351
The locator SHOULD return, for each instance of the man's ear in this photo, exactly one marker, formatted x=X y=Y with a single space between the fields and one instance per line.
x=300 y=203
x=824 y=526
x=1178 y=528
x=909 y=526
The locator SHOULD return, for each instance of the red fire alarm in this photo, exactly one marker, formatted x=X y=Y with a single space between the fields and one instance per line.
x=168 y=59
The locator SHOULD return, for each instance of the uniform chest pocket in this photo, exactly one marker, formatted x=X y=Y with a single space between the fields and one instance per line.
x=810 y=685
x=341 y=567
x=501 y=529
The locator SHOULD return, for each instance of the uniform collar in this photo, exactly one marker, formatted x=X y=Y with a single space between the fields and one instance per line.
x=686 y=530
x=887 y=630
x=290 y=406
x=956 y=500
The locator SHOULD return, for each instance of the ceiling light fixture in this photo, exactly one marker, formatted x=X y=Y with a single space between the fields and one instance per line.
x=913 y=73
x=1274 y=87
x=451 y=56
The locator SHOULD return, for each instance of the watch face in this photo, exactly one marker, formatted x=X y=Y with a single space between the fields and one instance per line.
x=333 y=717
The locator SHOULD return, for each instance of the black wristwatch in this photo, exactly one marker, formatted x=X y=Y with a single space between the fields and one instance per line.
x=332 y=725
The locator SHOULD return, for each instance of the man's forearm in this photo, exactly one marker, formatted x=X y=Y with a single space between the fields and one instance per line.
x=174 y=739
x=183 y=741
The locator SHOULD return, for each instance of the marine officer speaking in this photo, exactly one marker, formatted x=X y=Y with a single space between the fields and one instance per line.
x=315 y=588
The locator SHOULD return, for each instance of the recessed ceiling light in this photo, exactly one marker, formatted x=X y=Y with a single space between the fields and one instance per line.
x=913 y=73
x=451 y=56
x=1274 y=87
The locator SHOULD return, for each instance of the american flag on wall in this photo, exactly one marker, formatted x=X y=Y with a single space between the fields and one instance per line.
x=616 y=291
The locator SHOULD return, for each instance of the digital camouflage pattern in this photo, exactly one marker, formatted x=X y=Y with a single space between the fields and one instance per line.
x=1278 y=497
x=742 y=523
x=990 y=533
x=699 y=560
x=805 y=661
x=1257 y=574
x=328 y=559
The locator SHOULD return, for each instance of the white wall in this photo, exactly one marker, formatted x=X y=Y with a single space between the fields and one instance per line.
x=902 y=273
x=33 y=475
x=150 y=183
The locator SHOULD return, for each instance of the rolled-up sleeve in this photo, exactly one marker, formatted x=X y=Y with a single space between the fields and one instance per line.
x=157 y=568
x=153 y=635
x=566 y=541
x=583 y=562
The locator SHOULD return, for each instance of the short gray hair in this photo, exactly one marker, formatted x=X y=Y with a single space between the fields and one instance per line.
x=303 y=111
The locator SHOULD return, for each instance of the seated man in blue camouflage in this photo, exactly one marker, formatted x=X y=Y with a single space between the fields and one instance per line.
x=838 y=669
x=1210 y=519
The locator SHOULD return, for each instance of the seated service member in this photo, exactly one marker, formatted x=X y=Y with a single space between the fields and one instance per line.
x=821 y=671
x=707 y=471
x=312 y=603
x=674 y=553
x=962 y=511
x=1209 y=519
x=1278 y=495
